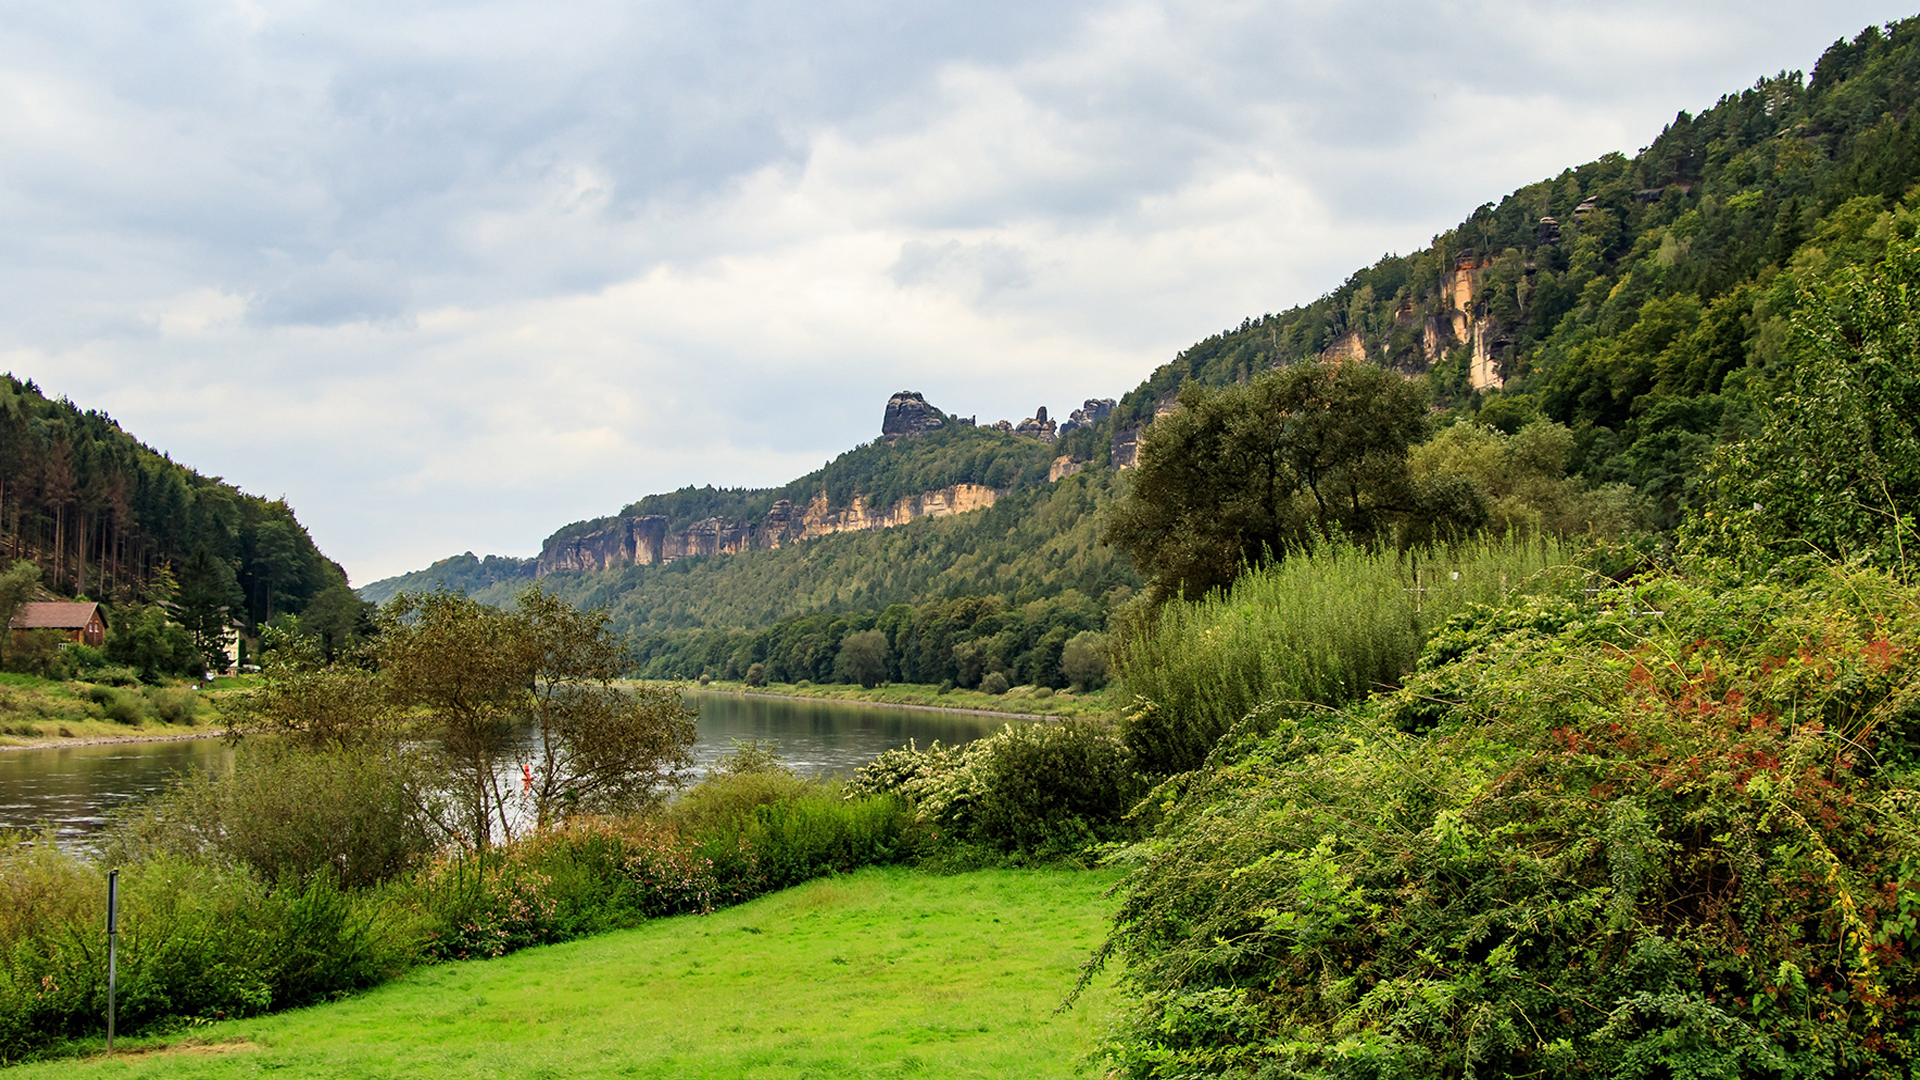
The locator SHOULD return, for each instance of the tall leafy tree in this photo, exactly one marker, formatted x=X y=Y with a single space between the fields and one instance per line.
x=478 y=675
x=1236 y=475
x=1836 y=471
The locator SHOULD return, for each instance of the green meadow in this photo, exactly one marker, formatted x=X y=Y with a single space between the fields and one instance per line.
x=880 y=973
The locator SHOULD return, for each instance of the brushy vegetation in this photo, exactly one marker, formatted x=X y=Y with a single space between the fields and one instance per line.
x=1327 y=627
x=878 y=974
x=1034 y=791
x=1668 y=834
x=1020 y=701
x=37 y=709
x=267 y=891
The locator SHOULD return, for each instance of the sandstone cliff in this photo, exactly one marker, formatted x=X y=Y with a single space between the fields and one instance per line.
x=644 y=540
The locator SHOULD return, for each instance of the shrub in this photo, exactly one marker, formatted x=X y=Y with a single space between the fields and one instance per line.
x=729 y=797
x=995 y=683
x=291 y=814
x=756 y=674
x=176 y=705
x=1329 y=629
x=119 y=706
x=1667 y=834
x=1044 y=789
x=486 y=905
x=198 y=942
x=814 y=832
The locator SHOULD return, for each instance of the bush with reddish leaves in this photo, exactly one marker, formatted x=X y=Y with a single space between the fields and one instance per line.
x=1671 y=832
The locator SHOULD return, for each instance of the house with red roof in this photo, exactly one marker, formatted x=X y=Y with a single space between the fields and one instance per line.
x=82 y=622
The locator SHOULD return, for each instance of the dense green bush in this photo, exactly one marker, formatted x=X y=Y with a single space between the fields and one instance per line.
x=197 y=942
x=172 y=705
x=119 y=706
x=290 y=814
x=1669 y=832
x=1324 y=628
x=1044 y=790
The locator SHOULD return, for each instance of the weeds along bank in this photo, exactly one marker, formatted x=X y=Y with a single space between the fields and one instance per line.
x=305 y=876
x=1327 y=627
x=1668 y=832
x=217 y=924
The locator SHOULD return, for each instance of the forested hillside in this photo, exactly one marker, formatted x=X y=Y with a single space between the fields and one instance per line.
x=1040 y=542
x=101 y=514
x=1638 y=303
x=881 y=472
x=1633 y=299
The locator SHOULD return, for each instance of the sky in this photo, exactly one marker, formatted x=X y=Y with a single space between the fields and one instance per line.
x=450 y=276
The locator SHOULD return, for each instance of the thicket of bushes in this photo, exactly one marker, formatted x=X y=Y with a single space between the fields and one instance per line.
x=301 y=878
x=1669 y=833
x=1035 y=791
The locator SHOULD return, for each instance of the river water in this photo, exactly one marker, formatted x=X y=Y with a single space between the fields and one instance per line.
x=73 y=788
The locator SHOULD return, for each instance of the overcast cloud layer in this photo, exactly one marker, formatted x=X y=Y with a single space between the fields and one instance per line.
x=450 y=276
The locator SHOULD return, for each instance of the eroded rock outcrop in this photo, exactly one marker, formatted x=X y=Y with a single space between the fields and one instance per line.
x=644 y=540
x=1037 y=426
x=908 y=414
x=1091 y=412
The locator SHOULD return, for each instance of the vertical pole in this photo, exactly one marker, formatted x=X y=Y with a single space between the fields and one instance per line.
x=113 y=933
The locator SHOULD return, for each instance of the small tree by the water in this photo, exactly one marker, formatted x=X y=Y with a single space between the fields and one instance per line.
x=863 y=658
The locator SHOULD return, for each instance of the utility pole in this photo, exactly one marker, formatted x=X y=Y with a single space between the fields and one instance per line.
x=113 y=934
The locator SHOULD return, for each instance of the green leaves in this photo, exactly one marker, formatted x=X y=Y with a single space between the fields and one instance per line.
x=1667 y=833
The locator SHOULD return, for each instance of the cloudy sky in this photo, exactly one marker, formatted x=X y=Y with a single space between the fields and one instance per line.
x=451 y=276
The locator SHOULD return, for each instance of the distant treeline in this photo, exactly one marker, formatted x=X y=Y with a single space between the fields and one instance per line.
x=101 y=514
x=959 y=641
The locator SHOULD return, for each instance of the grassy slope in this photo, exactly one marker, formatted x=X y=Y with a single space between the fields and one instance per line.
x=879 y=973
x=35 y=712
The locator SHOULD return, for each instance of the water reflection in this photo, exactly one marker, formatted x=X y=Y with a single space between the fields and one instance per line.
x=74 y=788
x=821 y=738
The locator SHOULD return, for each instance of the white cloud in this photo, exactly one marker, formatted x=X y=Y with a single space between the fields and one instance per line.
x=449 y=276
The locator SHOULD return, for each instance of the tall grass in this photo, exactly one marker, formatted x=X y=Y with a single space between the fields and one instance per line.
x=1326 y=628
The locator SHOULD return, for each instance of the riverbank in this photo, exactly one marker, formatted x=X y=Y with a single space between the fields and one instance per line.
x=37 y=713
x=1019 y=703
x=874 y=973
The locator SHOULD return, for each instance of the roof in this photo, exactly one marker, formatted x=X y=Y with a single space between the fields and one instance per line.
x=54 y=615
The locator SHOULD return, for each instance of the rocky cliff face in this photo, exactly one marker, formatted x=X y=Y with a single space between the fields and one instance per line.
x=908 y=414
x=644 y=540
x=1461 y=319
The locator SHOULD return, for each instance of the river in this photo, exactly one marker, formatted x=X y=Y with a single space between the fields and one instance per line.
x=74 y=788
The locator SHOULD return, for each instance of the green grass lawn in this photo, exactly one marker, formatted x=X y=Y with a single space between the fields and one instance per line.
x=877 y=974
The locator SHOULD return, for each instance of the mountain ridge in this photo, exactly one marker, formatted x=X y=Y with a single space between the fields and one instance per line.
x=1638 y=301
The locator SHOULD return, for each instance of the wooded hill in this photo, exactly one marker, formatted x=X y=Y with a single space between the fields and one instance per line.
x=102 y=515
x=1639 y=301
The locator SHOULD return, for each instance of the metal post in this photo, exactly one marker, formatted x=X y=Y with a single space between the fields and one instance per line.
x=113 y=934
